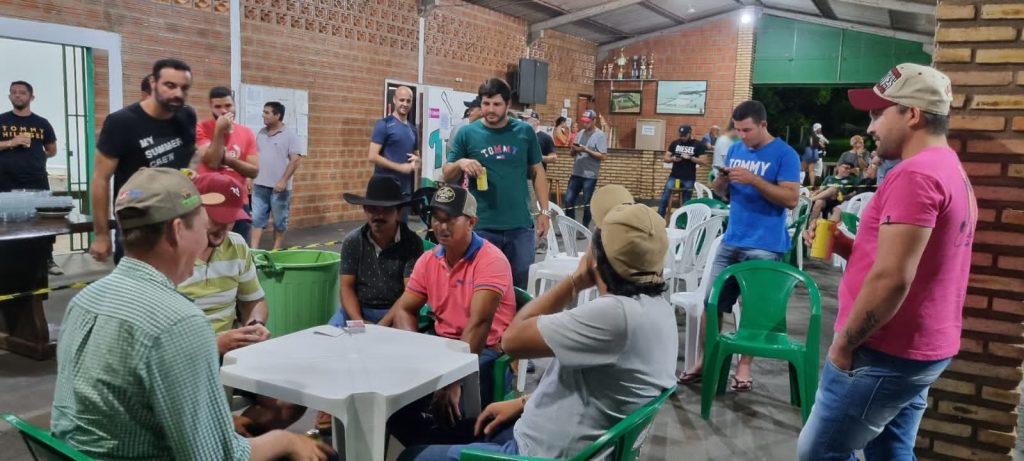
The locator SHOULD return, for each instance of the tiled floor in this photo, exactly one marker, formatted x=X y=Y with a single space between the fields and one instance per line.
x=756 y=425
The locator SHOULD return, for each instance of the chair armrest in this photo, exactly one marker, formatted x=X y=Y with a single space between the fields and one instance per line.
x=501 y=366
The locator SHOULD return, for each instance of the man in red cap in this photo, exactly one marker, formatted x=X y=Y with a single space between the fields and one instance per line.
x=902 y=295
x=224 y=286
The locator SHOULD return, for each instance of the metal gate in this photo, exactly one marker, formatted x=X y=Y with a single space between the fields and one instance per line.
x=79 y=127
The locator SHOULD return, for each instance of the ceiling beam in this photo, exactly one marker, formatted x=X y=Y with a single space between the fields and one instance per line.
x=581 y=14
x=900 y=5
x=903 y=35
x=824 y=8
x=604 y=49
x=663 y=12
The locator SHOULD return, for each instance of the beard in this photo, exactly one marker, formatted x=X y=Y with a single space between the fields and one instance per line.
x=170 y=104
x=17 y=106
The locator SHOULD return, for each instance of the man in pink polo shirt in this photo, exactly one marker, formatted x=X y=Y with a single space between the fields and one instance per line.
x=901 y=298
x=468 y=283
x=230 y=148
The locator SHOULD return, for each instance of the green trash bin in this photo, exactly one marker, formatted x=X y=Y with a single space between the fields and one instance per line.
x=301 y=287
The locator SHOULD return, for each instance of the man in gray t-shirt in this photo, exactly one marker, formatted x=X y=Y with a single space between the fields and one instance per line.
x=611 y=355
x=589 y=148
x=280 y=153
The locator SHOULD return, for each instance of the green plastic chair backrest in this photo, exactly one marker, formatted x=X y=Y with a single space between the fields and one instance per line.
x=768 y=286
x=522 y=297
x=850 y=220
x=41 y=444
x=428 y=245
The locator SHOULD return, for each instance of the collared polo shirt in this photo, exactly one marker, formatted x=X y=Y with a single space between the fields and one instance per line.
x=138 y=374
x=380 y=272
x=449 y=290
x=216 y=286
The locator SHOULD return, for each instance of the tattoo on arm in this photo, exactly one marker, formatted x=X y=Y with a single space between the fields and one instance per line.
x=854 y=338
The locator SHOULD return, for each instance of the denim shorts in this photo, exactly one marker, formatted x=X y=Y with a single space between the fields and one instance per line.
x=728 y=255
x=265 y=201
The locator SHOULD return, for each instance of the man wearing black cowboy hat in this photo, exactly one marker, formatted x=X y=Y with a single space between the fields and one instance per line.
x=378 y=257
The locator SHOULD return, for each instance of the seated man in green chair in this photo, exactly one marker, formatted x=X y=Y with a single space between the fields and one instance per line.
x=611 y=355
x=224 y=286
x=468 y=283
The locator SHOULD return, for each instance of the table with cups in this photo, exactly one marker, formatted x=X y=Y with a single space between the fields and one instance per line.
x=26 y=241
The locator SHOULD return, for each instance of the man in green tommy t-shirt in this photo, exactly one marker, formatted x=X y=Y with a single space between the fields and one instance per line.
x=501 y=153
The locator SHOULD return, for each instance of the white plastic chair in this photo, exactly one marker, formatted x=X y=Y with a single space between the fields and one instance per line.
x=562 y=257
x=701 y=191
x=692 y=254
x=856 y=206
x=692 y=302
x=696 y=213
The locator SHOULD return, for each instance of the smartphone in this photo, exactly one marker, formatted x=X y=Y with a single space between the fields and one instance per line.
x=722 y=170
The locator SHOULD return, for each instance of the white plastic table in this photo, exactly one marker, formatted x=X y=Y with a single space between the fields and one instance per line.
x=359 y=378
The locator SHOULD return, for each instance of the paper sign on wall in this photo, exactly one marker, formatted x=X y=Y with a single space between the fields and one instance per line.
x=647 y=130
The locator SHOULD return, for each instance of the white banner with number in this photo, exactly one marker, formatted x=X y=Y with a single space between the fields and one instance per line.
x=442 y=108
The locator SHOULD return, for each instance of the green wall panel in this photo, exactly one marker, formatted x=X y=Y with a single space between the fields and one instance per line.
x=790 y=52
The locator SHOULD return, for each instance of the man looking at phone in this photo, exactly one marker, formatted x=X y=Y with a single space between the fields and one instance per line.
x=761 y=179
x=684 y=155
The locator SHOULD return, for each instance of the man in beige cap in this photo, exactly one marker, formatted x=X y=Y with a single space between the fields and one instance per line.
x=902 y=295
x=611 y=355
x=137 y=370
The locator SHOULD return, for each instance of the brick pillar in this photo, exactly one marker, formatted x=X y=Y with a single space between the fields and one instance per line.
x=743 y=86
x=972 y=411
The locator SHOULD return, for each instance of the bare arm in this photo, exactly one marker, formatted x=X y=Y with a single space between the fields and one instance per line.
x=599 y=156
x=549 y=158
x=279 y=443
x=253 y=310
x=900 y=247
x=482 y=307
x=785 y=194
x=289 y=171
x=540 y=187
x=669 y=158
x=249 y=168
x=406 y=310
x=721 y=185
x=389 y=318
x=349 y=300
x=50 y=149
x=103 y=170
x=379 y=160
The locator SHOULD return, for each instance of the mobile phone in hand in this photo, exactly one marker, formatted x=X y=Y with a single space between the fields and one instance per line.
x=722 y=170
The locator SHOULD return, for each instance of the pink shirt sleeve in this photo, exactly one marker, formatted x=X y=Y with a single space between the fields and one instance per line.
x=419 y=278
x=913 y=198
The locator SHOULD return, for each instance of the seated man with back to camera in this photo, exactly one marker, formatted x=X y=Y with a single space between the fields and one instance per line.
x=611 y=355
x=224 y=286
x=468 y=283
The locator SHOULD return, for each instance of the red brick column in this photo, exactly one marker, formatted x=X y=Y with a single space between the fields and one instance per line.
x=972 y=408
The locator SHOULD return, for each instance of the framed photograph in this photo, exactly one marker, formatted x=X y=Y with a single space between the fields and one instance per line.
x=625 y=102
x=682 y=97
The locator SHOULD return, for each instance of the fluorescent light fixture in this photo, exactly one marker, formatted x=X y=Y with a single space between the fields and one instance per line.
x=746 y=18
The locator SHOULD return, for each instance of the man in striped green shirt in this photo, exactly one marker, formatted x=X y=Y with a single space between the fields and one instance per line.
x=137 y=375
x=224 y=286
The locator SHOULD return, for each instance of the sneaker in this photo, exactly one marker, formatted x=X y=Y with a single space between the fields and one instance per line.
x=53 y=268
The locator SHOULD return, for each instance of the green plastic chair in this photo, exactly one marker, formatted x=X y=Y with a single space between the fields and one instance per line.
x=849 y=220
x=712 y=203
x=41 y=445
x=623 y=442
x=765 y=287
x=803 y=213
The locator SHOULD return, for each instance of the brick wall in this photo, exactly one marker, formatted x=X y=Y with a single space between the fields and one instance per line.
x=972 y=408
x=711 y=52
x=571 y=71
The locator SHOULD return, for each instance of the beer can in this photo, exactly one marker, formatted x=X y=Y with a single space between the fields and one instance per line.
x=821 y=247
x=481 y=180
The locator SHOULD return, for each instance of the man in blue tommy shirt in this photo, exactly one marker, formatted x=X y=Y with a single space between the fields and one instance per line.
x=393 y=148
x=761 y=179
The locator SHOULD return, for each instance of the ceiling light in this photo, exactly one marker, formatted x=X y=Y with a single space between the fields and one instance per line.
x=691 y=10
x=746 y=18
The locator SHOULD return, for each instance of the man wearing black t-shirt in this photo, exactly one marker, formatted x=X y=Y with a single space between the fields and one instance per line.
x=684 y=155
x=157 y=132
x=26 y=141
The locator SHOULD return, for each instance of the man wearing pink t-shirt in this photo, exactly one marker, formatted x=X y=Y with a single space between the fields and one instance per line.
x=229 y=148
x=468 y=283
x=901 y=298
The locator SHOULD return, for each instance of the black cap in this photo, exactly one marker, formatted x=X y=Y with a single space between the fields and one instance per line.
x=455 y=201
x=685 y=130
x=471 y=104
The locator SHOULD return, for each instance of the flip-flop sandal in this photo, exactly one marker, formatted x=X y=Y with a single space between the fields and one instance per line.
x=741 y=385
x=690 y=378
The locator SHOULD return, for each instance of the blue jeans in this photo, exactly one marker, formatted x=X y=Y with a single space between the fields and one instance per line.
x=666 y=194
x=373 y=315
x=243 y=227
x=502 y=442
x=414 y=424
x=876 y=407
x=266 y=201
x=519 y=246
x=728 y=255
x=572 y=192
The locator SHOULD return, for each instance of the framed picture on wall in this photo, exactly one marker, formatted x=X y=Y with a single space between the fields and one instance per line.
x=681 y=97
x=625 y=102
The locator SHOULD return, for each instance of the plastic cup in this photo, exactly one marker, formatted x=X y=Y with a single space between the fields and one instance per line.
x=821 y=247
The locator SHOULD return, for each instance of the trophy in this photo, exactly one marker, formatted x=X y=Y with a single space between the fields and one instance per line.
x=643 y=67
x=621 y=61
x=650 y=67
x=635 y=73
x=608 y=69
